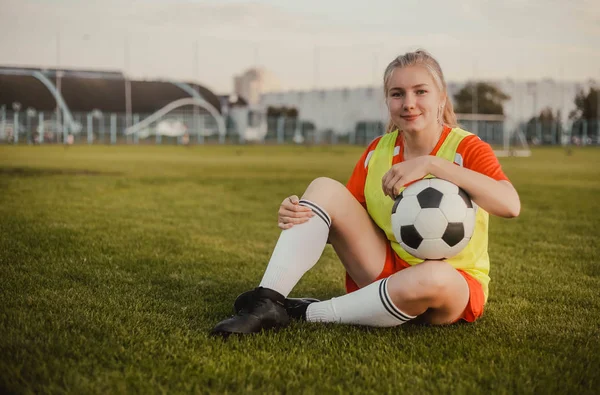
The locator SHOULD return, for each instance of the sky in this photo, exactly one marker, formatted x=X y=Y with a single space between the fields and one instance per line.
x=306 y=44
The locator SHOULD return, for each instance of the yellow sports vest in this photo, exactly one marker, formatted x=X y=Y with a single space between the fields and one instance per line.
x=474 y=258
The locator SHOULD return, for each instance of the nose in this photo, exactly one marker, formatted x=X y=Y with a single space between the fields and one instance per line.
x=409 y=102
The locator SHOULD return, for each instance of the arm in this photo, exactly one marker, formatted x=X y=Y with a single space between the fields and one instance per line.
x=356 y=183
x=496 y=197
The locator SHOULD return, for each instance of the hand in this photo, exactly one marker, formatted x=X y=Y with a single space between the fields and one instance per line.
x=291 y=213
x=404 y=173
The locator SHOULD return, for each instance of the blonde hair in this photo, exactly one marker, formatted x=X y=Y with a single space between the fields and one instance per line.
x=421 y=58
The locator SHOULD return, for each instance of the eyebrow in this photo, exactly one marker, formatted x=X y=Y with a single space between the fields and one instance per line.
x=416 y=86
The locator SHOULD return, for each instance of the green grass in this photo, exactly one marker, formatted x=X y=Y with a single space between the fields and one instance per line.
x=117 y=261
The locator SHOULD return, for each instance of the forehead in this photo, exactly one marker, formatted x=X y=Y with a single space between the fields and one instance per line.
x=409 y=76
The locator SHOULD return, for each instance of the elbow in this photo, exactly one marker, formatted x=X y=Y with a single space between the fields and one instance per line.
x=513 y=203
x=513 y=210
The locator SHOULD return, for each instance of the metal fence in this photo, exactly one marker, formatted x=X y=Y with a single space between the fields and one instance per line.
x=196 y=126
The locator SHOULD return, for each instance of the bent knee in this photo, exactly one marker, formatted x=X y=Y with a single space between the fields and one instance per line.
x=430 y=282
x=437 y=275
x=326 y=184
x=324 y=190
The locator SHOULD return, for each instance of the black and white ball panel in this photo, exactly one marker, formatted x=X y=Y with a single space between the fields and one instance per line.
x=433 y=219
x=453 y=208
x=446 y=187
x=454 y=233
x=465 y=197
x=431 y=223
x=430 y=198
x=409 y=212
x=410 y=236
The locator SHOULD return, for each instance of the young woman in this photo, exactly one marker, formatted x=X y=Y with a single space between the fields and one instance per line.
x=386 y=285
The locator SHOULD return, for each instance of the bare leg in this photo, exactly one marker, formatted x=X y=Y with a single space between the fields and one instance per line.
x=432 y=288
x=356 y=239
x=339 y=218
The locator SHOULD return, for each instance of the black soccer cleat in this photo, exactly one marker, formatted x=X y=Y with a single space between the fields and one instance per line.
x=263 y=309
x=296 y=308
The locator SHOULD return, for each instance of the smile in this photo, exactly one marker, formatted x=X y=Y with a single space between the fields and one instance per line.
x=409 y=117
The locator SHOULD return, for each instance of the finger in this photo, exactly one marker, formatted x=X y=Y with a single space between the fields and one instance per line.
x=388 y=180
x=391 y=182
x=288 y=205
x=295 y=209
x=290 y=201
x=290 y=220
x=396 y=189
x=385 y=178
x=283 y=212
x=283 y=226
x=384 y=181
x=294 y=199
x=401 y=183
x=300 y=207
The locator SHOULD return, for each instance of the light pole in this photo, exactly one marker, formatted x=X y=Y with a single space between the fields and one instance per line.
x=97 y=114
x=196 y=114
x=127 y=83
x=597 y=90
x=532 y=89
x=16 y=106
x=474 y=102
x=315 y=67
x=58 y=75
x=31 y=112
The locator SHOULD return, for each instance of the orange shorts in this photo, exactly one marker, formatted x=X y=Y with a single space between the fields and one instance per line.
x=393 y=264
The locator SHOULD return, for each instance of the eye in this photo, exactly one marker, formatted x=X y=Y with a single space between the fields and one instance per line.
x=397 y=94
x=421 y=92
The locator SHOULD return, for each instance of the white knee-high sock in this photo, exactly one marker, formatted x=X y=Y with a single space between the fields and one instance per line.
x=371 y=306
x=298 y=250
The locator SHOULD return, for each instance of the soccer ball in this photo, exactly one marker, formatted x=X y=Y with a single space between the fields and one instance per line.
x=433 y=219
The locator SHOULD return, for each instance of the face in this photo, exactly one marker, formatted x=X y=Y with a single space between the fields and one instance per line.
x=413 y=99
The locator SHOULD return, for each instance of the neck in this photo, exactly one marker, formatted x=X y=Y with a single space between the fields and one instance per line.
x=421 y=143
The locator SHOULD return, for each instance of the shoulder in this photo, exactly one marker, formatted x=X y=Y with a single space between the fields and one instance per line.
x=472 y=142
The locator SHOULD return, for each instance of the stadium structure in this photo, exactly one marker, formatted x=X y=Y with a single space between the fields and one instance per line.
x=44 y=105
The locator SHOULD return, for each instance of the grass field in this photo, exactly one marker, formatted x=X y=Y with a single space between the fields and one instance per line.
x=117 y=261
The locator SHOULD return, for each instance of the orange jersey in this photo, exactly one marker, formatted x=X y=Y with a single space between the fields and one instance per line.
x=472 y=153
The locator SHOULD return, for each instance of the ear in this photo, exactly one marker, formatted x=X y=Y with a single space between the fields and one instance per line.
x=443 y=102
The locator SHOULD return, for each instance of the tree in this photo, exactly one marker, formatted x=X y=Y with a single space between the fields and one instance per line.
x=545 y=127
x=287 y=115
x=586 y=114
x=289 y=112
x=366 y=131
x=489 y=98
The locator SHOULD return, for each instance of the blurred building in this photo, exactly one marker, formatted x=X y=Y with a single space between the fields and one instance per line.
x=255 y=82
x=85 y=91
x=48 y=105
x=338 y=110
x=342 y=110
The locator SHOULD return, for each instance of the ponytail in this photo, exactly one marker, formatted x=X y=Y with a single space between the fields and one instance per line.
x=390 y=127
x=449 y=116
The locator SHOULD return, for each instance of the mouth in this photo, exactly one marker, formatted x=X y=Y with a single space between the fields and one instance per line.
x=410 y=118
